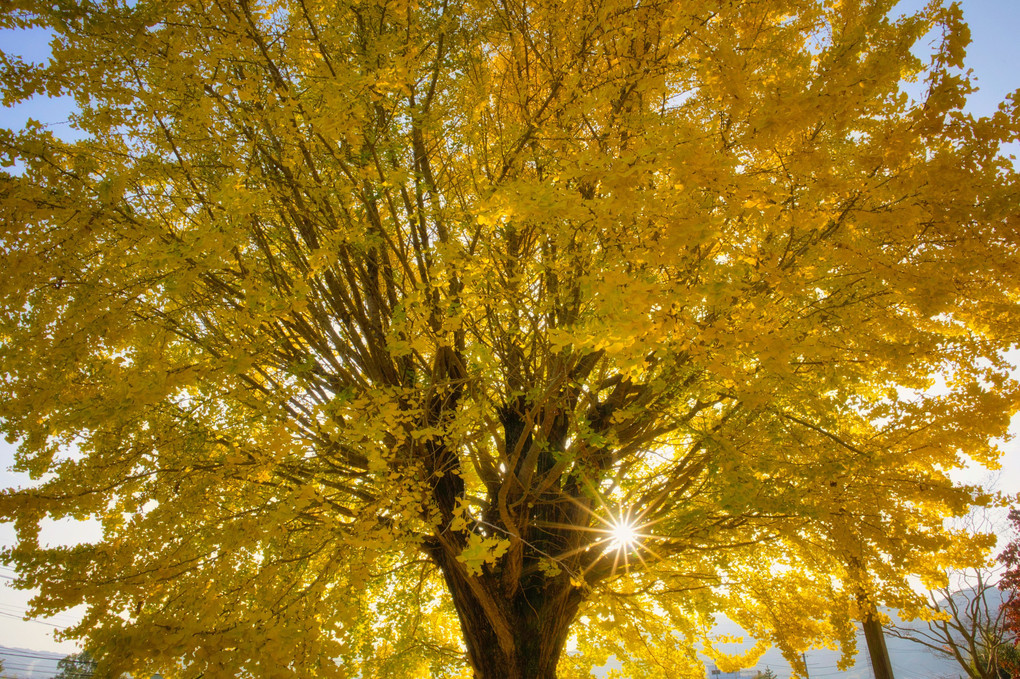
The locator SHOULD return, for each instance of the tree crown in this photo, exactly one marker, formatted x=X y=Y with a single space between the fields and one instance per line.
x=355 y=320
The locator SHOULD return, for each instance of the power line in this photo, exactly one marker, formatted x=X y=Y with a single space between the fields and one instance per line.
x=22 y=619
x=20 y=667
x=60 y=618
x=27 y=665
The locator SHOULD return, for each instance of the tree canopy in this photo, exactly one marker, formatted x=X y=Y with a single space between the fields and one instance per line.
x=436 y=337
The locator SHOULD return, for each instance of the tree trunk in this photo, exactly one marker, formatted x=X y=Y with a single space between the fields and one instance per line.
x=876 y=645
x=515 y=635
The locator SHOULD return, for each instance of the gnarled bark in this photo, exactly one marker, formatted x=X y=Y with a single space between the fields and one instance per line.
x=515 y=635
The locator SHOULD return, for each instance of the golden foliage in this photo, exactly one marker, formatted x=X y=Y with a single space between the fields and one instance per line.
x=347 y=318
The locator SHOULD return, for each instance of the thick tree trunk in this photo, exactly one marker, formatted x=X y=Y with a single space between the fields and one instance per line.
x=516 y=635
x=536 y=651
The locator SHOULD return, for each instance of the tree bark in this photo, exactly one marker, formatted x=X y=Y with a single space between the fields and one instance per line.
x=519 y=635
x=876 y=646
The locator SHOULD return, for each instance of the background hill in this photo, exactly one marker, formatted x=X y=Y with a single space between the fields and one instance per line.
x=24 y=663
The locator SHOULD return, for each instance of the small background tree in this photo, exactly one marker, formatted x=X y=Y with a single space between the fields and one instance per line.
x=1009 y=584
x=966 y=622
x=76 y=666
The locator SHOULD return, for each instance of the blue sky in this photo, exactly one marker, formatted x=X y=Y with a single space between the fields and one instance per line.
x=994 y=57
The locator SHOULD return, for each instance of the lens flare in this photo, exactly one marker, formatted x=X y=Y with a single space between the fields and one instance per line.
x=623 y=535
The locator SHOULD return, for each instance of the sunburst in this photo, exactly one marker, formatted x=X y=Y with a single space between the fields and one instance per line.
x=624 y=533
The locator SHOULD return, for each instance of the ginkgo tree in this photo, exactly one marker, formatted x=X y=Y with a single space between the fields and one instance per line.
x=436 y=337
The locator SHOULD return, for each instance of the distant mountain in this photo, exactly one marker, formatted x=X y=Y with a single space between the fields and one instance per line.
x=23 y=663
x=909 y=660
